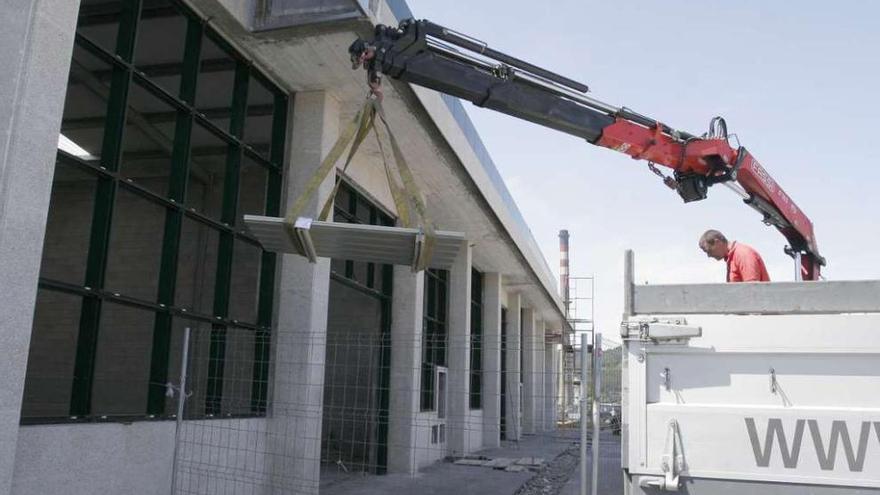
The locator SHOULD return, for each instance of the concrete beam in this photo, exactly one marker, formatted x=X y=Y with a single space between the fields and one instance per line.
x=459 y=353
x=540 y=372
x=529 y=371
x=512 y=404
x=758 y=298
x=300 y=341
x=407 y=308
x=491 y=359
x=551 y=379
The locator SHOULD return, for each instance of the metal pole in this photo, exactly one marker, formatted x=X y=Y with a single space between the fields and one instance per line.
x=798 y=274
x=181 y=401
x=597 y=392
x=584 y=381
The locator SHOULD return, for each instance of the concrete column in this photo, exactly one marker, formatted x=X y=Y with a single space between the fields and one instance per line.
x=459 y=354
x=491 y=359
x=540 y=371
x=37 y=41
x=514 y=348
x=407 y=306
x=300 y=342
x=551 y=367
x=529 y=371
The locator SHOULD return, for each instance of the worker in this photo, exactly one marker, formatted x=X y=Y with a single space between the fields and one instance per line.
x=744 y=264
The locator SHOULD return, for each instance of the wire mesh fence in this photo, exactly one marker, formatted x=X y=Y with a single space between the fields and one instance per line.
x=361 y=413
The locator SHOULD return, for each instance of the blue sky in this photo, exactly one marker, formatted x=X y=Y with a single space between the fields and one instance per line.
x=797 y=82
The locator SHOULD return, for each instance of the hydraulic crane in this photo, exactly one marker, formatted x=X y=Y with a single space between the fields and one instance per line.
x=429 y=55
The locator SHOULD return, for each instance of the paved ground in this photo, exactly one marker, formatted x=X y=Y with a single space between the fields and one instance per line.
x=610 y=477
x=447 y=478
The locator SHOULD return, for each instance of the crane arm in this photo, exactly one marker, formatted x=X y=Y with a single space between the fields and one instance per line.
x=425 y=54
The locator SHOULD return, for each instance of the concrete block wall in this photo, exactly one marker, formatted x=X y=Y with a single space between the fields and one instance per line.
x=138 y=458
x=86 y=459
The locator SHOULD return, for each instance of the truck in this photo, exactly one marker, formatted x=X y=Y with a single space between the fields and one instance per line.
x=759 y=388
x=764 y=388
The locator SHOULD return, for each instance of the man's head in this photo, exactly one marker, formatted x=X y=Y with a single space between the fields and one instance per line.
x=714 y=244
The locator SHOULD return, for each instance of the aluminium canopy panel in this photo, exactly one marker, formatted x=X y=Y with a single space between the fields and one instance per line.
x=371 y=243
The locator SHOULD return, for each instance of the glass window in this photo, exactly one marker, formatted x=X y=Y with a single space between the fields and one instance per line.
x=476 y=390
x=160 y=48
x=434 y=333
x=350 y=206
x=148 y=141
x=99 y=21
x=131 y=259
x=196 y=266
x=207 y=172
x=216 y=82
x=52 y=355
x=258 y=123
x=68 y=226
x=135 y=251
x=122 y=360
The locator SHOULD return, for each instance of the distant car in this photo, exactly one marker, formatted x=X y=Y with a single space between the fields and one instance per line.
x=610 y=414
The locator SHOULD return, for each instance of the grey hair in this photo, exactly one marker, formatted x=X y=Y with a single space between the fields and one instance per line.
x=712 y=235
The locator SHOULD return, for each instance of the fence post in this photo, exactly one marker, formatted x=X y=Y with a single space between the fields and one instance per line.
x=597 y=419
x=583 y=408
x=181 y=401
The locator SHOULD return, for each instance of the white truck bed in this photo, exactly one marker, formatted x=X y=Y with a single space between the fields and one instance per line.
x=781 y=398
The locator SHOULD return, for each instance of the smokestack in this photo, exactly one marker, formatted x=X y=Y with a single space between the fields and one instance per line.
x=563 y=270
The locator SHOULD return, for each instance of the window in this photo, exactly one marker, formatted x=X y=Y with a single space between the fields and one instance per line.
x=433 y=333
x=357 y=365
x=350 y=206
x=441 y=393
x=155 y=166
x=476 y=390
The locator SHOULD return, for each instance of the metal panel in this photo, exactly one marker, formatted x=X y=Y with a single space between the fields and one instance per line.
x=758 y=298
x=371 y=243
x=767 y=399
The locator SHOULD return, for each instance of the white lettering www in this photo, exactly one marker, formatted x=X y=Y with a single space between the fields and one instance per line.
x=826 y=453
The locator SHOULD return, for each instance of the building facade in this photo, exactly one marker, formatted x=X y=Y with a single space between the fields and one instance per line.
x=136 y=136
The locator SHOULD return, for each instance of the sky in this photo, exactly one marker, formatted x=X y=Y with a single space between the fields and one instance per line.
x=797 y=83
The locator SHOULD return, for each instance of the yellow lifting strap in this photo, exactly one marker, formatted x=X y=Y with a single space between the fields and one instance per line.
x=423 y=255
x=403 y=195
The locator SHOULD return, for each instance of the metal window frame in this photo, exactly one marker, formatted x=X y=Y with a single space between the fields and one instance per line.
x=434 y=354
x=122 y=74
x=475 y=394
x=377 y=216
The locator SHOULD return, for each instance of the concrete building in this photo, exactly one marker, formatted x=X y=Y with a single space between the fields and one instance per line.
x=135 y=136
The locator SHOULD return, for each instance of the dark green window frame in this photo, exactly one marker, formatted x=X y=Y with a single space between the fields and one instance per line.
x=375 y=280
x=476 y=388
x=434 y=333
x=110 y=181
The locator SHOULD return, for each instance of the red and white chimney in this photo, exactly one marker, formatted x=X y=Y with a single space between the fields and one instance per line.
x=563 y=270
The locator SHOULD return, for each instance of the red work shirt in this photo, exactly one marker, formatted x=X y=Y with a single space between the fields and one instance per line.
x=744 y=264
